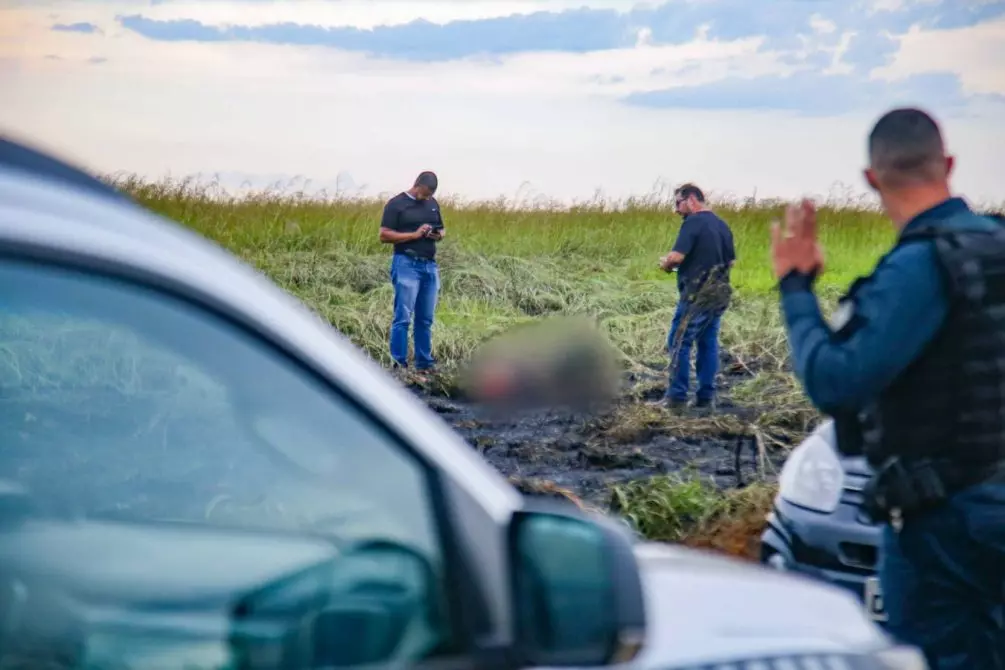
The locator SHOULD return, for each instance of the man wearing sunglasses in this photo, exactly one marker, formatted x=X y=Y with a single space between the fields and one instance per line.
x=702 y=256
x=912 y=368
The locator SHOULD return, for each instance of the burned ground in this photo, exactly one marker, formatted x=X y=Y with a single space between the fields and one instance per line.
x=667 y=471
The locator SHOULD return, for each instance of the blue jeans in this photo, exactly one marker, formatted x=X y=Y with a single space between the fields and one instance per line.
x=416 y=287
x=943 y=580
x=692 y=325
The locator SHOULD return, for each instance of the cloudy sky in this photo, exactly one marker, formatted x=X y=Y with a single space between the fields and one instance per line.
x=562 y=98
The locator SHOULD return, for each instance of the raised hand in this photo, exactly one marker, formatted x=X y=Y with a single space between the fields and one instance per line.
x=796 y=246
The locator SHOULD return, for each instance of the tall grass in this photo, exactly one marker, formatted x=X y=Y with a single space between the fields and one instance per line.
x=502 y=265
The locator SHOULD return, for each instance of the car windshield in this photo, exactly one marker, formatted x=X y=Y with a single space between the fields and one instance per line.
x=119 y=401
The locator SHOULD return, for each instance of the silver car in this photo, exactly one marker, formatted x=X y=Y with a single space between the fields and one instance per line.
x=198 y=472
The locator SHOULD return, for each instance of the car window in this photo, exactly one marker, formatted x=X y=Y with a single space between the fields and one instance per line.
x=121 y=402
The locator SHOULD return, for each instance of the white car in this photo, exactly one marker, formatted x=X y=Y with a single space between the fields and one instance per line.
x=198 y=472
x=817 y=527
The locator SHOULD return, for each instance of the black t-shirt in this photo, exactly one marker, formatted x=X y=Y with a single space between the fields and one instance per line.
x=405 y=214
x=707 y=243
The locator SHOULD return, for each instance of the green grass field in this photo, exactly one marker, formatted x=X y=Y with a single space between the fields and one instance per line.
x=503 y=266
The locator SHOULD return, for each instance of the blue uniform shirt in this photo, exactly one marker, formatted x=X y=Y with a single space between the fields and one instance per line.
x=901 y=308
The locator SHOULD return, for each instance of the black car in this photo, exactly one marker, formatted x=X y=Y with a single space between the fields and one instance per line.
x=817 y=526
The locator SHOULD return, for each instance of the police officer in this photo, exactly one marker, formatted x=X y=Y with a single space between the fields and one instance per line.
x=912 y=368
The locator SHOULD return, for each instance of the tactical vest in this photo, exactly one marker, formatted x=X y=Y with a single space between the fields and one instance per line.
x=949 y=404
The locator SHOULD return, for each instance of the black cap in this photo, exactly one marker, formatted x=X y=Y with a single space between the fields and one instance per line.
x=427 y=179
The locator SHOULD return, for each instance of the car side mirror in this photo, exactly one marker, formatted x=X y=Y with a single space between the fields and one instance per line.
x=576 y=588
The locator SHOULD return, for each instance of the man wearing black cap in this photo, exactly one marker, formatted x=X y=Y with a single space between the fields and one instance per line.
x=413 y=224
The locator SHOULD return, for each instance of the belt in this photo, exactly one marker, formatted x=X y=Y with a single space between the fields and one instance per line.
x=414 y=256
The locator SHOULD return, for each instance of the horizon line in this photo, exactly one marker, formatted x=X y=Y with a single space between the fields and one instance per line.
x=659 y=197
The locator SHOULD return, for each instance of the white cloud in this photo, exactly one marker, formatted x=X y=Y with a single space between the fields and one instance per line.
x=837 y=64
x=880 y=6
x=549 y=75
x=645 y=37
x=976 y=54
x=886 y=5
x=822 y=25
x=329 y=13
x=552 y=120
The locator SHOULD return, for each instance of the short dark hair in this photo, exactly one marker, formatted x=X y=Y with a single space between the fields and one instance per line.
x=906 y=145
x=427 y=179
x=685 y=191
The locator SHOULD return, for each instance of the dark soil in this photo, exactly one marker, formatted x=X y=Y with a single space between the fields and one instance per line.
x=585 y=453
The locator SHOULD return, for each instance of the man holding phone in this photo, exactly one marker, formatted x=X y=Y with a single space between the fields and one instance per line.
x=413 y=224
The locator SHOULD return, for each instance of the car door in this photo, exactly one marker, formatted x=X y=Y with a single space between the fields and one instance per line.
x=124 y=402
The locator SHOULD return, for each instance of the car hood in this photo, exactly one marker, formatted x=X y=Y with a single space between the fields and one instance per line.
x=708 y=608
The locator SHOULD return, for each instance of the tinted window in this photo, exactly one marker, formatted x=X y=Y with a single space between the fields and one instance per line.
x=118 y=401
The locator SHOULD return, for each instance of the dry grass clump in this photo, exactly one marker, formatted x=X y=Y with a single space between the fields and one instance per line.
x=735 y=525
x=672 y=508
x=635 y=423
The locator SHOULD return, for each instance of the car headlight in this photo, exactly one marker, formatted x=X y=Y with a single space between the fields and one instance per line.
x=813 y=477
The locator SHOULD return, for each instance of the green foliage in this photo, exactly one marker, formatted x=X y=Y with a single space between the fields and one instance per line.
x=673 y=508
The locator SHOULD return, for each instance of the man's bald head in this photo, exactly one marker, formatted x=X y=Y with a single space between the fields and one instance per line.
x=906 y=149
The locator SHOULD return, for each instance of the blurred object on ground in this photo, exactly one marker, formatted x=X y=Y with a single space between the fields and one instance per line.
x=561 y=361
